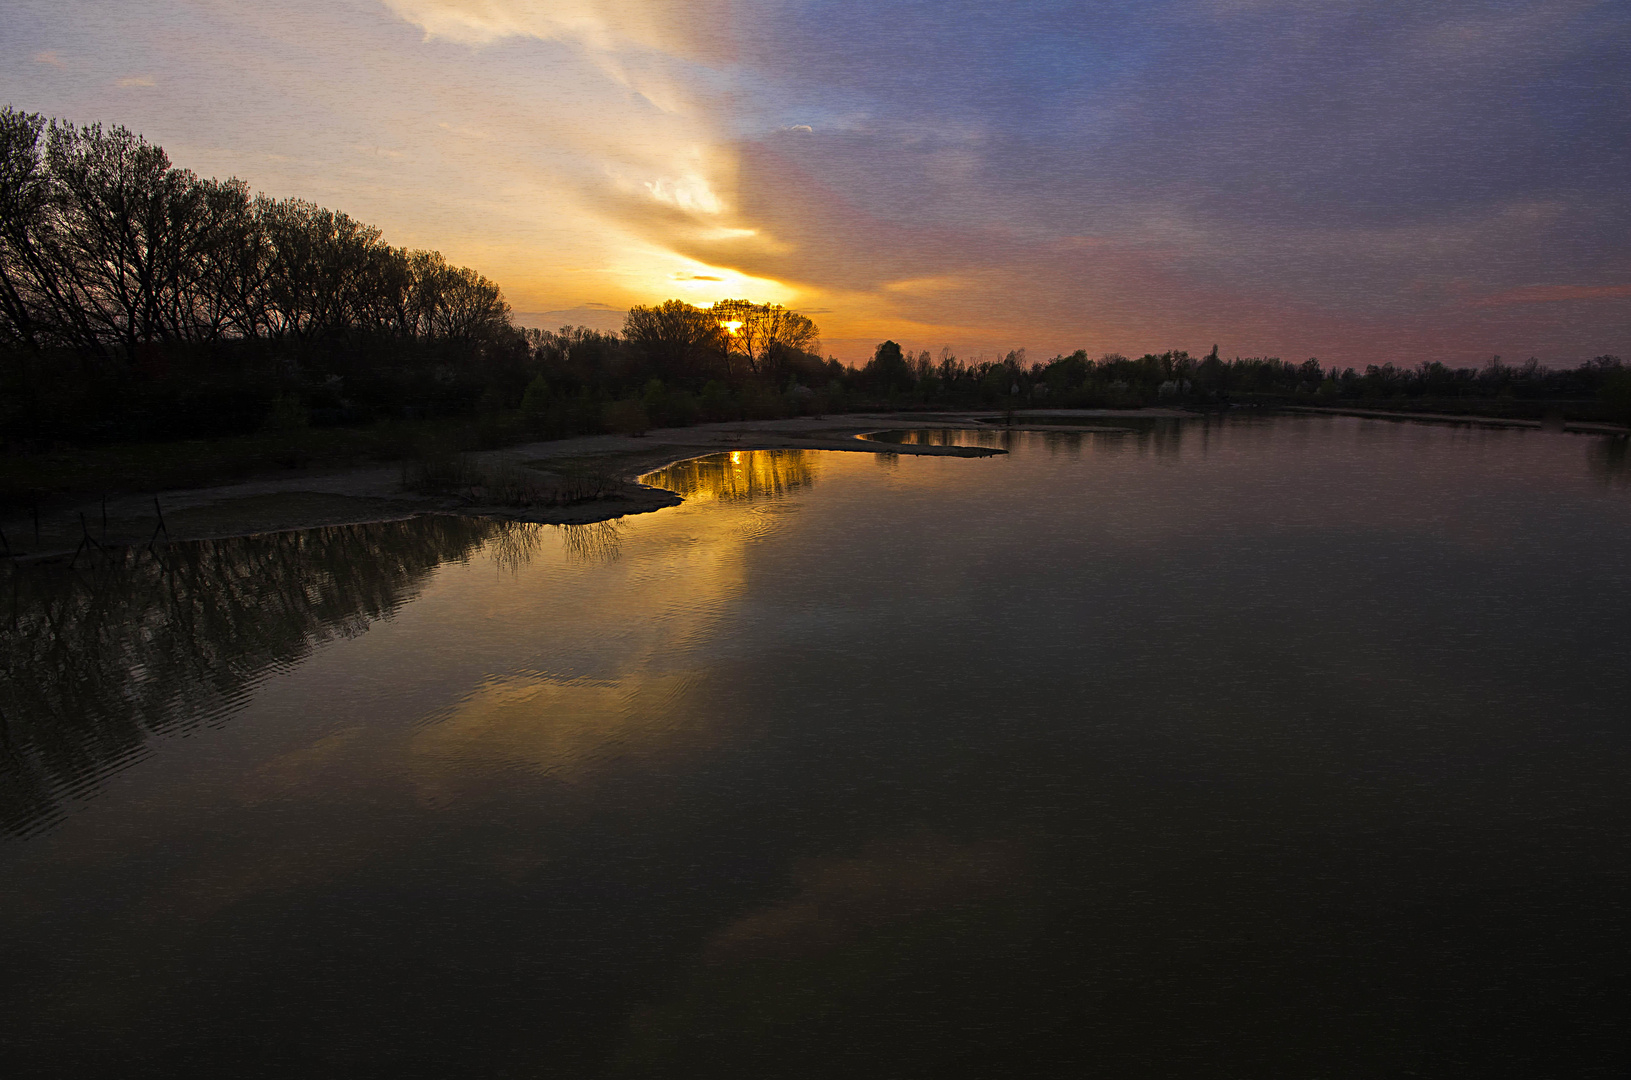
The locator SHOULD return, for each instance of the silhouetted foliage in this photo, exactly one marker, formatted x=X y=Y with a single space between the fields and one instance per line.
x=138 y=300
x=677 y=339
x=141 y=302
x=106 y=247
x=888 y=371
x=1175 y=377
x=759 y=338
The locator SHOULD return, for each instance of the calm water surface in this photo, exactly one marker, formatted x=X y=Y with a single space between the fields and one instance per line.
x=1280 y=748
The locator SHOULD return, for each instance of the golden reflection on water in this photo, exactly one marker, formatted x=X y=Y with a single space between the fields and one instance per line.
x=737 y=475
x=651 y=593
x=98 y=660
x=926 y=437
x=536 y=654
x=566 y=729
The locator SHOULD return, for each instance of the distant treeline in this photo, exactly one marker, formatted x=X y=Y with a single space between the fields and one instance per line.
x=139 y=302
x=1601 y=386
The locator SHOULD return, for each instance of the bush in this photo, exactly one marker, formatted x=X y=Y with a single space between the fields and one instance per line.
x=582 y=482
x=535 y=406
x=1616 y=394
x=668 y=408
x=287 y=414
x=716 y=402
x=627 y=417
x=760 y=402
x=508 y=484
x=436 y=467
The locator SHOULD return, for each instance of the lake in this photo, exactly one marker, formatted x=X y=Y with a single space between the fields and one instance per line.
x=1278 y=747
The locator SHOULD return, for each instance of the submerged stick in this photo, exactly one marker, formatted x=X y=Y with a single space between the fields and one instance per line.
x=86 y=529
x=161 y=527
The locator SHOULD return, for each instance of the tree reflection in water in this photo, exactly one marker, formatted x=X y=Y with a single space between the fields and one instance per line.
x=513 y=544
x=931 y=437
x=594 y=544
x=1162 y=436
x=740 y=474
x=99 y=659
x=1610 y=462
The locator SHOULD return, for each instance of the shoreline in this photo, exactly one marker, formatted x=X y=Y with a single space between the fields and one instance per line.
x=1573 y=427
x=370 y=494
x=377 y=493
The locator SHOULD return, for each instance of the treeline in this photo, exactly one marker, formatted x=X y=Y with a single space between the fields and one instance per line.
x=676 y=364
x=139 y=301
x=106 y=247
x=1599 y=387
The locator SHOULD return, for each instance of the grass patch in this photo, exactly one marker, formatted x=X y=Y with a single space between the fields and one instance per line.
x=437 y=468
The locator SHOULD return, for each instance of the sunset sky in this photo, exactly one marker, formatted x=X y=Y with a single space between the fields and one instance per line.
x=1356 y=181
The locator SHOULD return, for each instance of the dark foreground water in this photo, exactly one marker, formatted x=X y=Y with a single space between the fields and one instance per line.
x=1292 y=748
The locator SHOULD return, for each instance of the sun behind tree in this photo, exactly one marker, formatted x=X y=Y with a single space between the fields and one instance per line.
x=735 y=338
x=761 y=334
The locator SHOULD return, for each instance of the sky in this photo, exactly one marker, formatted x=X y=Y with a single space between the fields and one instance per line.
x=1362 y=181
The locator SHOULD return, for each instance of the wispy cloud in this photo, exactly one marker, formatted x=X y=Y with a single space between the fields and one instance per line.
x=1545 y=294
x=697 y=29
x=1344 y=179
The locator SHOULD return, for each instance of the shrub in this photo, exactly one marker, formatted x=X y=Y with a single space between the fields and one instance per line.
x=287 y=414
x=627 y=417
x=507 y=484
x=1616 y=394
x=583 y=482
x=436 y=467
x=535 y=406
x=716 y=402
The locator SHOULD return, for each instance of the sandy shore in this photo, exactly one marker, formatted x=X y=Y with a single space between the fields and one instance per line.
x=1579 y=427
x=377 y=493
x=308 y=499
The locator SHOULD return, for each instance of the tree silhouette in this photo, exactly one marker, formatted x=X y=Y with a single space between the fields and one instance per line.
x=763 y=335
x=677 y=339
x=105 y=247
x=888 y=370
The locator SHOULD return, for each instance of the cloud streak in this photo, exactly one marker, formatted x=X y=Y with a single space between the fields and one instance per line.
x=1358 y=181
